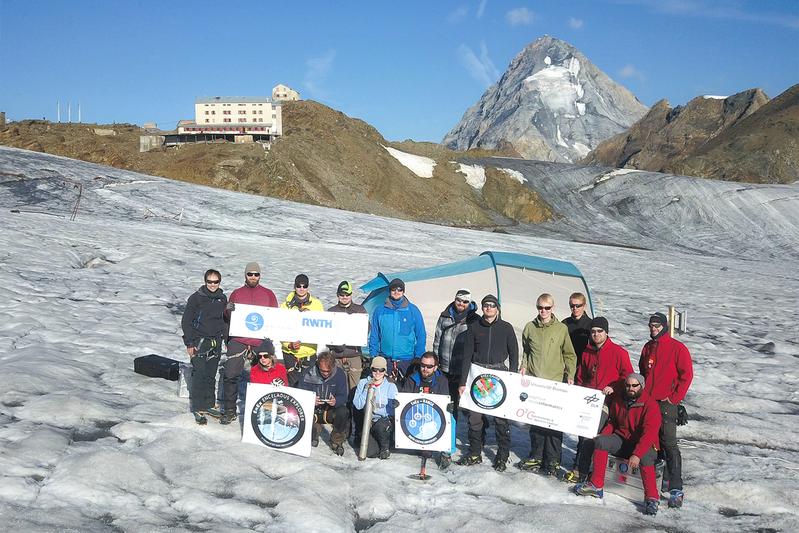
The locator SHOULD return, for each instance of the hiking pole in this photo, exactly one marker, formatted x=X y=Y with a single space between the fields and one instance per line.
x=367 y=423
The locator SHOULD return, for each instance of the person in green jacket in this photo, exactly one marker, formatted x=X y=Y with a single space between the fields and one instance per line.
x=547 y=353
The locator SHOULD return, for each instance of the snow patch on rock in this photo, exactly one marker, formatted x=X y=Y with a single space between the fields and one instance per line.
x=419 y=165
x=607 y=176
x=515 y=174
x=475 y=175
x=714 y=97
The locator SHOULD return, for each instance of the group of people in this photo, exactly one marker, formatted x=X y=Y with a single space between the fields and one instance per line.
x=641 y=408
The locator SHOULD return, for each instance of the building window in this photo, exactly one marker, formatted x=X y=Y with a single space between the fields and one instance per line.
x=274 y=115
x=226 y=112
x=242 y=120
x=207 y=121
x=227 y=120
x=213 y=112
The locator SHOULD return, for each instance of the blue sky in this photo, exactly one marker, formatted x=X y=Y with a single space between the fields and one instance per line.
x=408 y=68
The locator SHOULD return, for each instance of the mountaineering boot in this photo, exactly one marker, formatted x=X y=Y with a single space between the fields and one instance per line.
x=500 y=465
x=529 y=465
x=315 y=431
x=469 y=460
x=444 y=461
x=385 y=453
x=227 y=419
x=573 y=476
x=552 y=469
x=200 y=419
x=214 y=412
x=588 y=489
x=675 y=498
x=664 y=485
x=338 y=449
x=651 y=506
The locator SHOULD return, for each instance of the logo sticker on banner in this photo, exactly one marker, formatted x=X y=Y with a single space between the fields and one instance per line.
x=278 y=418
x=254 y=321
x=488 y=391
x=421 y=422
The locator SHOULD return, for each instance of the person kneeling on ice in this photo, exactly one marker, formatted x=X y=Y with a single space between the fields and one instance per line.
x=631 y=432
x=428 y=379
x=329 y=383
x=264 y=368
x=385 y=396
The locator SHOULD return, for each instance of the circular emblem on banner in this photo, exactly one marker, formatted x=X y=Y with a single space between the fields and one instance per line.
x=278 y=420
x=254 y=321
x=488 y=391
x=422 y=421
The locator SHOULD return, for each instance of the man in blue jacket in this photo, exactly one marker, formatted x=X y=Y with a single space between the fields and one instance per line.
x=397 y=331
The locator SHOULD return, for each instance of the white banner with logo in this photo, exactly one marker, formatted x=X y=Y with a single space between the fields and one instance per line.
x=540 y=402
x=421 y=422
x=318 y=327
x=280 y=418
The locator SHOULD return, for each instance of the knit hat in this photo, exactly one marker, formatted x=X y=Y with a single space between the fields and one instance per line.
x=396 y=283
x=600 y=322
x=659 y=318
x=638 y=377
x=379 y=362
x=252 y=266
x=490 y=298
x=344 y=288
x=301 y=279
x=266 y=346
x=464 y=295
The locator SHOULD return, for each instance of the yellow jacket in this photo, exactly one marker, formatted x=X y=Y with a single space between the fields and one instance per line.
x=305 y=350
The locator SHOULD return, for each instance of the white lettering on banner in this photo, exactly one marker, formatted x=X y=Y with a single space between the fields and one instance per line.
x=530 y=400
x=421 y=422
x=318 y=327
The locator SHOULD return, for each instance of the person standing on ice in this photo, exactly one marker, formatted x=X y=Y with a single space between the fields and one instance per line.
x=666 y=364
x=631 y=432
x=547 y=354
x=490 y=341
x=299 y=356
x=603 y=366
x=428 y=379
x=204 y=327
x=579 y=324
x=382 y=430
x=240 y=349
x=450 y=337
x=348 y=358
x=397 y=331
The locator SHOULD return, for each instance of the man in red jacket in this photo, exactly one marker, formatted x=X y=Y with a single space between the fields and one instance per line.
x=631 y=432
x=603 y=366
x=666 y=365
x=241 y=348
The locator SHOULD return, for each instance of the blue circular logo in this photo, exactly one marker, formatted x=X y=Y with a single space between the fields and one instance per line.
x=423 y=421
x=254 y=321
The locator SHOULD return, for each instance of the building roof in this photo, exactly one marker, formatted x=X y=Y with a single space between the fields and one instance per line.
x=232 y=99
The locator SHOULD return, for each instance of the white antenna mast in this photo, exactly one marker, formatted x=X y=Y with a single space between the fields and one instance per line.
x=69 y=112
x=58 y=109
x=78 y=111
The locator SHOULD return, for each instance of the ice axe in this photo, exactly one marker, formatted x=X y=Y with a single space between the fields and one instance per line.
x=422 y=475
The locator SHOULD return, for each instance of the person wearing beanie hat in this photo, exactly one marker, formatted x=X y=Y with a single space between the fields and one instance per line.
x=397 y=331
x=667 y=366
x=603 y=366
x=631 y=432
x=382 y=428
x=490 y=341
x=578 y=323
x=241 y=349
x=297 y=355
x=547 y=353
x=264 y=367
x=348 y=358
x=448 y=340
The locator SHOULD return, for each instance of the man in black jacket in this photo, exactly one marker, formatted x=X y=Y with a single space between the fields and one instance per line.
x=348 y=358
x=579 y=325
x=204 y=327
x=490 y=342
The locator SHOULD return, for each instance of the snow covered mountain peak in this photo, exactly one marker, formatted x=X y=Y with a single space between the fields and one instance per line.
x=551 y=104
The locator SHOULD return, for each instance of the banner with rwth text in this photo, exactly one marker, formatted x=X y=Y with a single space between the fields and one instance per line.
x=317 y=327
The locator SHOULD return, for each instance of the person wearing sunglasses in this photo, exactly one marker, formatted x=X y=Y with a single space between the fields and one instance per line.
x=666 y=364
x=348 y=358
x=297 y=355
x=449 y=338
x=397 y=331
x=241 y=349
x=204 y=328
x=547 y=354
x=630 y=433
x=579 y=324
x=329 y=383
x=603 y=367
x=490 y=343
x=428 y=379
x=382 y=430
x=264 y=367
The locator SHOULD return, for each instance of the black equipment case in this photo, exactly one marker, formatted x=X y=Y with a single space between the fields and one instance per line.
x=156 y=366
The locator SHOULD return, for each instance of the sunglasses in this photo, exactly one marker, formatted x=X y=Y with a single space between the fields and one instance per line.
x=213 y=281
x=656 y=326
x=300 y=286
x=576 y=306
x=378 y=369
x=597 y=331
x=345 y=294
x=253 y=274
x=632 y=385
x=397 y=289
x=544 y=307
x=489 y=305
x=459 y=301
x=427 y=366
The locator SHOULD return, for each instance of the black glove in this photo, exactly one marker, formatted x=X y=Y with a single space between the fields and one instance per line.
x=231 y=306
x=682 y=415
x=450 y=407
x=394 y=403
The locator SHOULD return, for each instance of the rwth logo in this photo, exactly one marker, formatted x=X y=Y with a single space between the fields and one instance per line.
x=317 y=323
